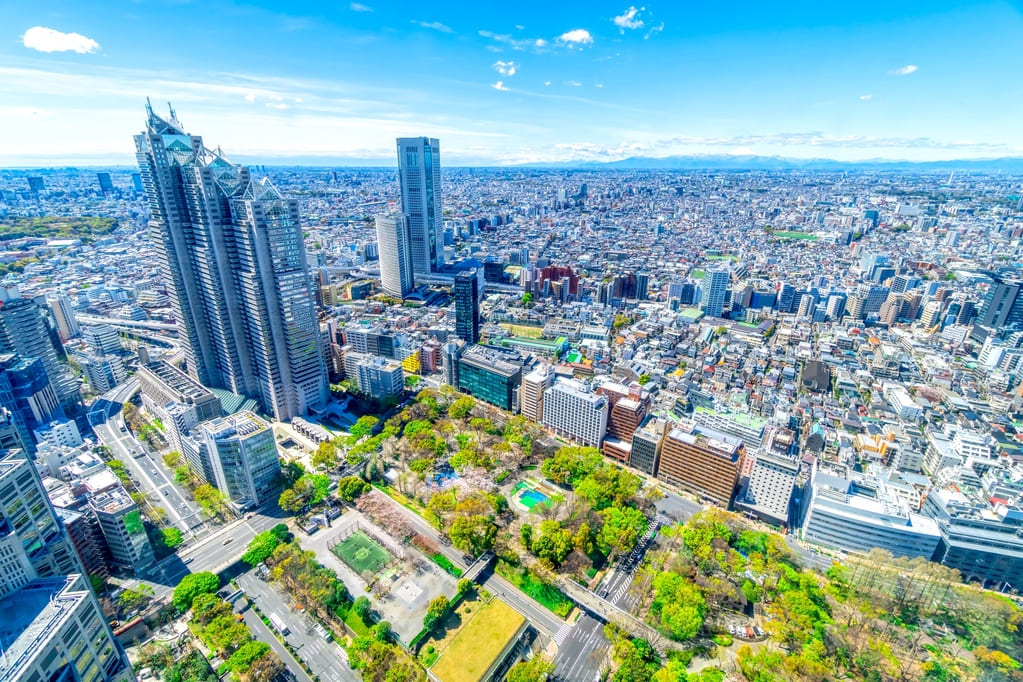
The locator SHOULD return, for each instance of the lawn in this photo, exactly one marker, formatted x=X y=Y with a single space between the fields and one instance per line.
x=446 y=564
x=473 y=649
x=523 y=330
x=787 y=234
x=551 y=597
x=357 y=625
x=362 y=553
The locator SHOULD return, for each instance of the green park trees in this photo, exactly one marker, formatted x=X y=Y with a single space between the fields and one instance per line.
x=192 y=585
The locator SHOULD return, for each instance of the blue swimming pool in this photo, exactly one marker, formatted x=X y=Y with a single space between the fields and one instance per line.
x=530 y=498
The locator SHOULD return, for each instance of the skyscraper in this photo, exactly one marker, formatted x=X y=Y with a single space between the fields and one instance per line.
x=396 y=276
x=105 y=184
x=24 y=331
x=715 y=283
x=467 y=306
x=232 y=255
x=64 y=313
x=243 y=454
x=419 y=177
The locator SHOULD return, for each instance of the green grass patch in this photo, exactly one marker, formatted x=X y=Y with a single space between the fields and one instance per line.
x=446 y=564
x=789 y=234
x=723 y=639
x=472 y=651
x=358 y=626
x=546 y=594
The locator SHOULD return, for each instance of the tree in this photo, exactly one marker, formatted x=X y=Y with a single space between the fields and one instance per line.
x=622 y=528
x=364 y=426
x=361 y=607
x=553 y=543
x=350 y=488
x=130 y=600
x=678 y=605
x=192 y=585
x=461 y=408
x=172 y=537
x=644 y=379
x=473 y=534
x=526 y=535
x=210 y=499
x=325 y=456
x=308 y=490
x=536 y=669
x=435 y=611
x=246 y=655
x=260 y=547
x=266 y=667
x=465 y=586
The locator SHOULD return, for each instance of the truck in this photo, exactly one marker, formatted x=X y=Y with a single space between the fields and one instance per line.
x=279 y=624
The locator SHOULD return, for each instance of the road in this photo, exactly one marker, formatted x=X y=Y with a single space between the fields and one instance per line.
x=326 y=659
x=582 y=649
x=153 y=480
x=263 y=634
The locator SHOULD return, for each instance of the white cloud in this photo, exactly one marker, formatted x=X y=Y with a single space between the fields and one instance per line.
x=49 y=40
x=540 y=42
x=250 y=98
x=506 y=68
x=598 y=85
x=904 y=70
x=629 y=19
x=277 y=105
x=359 y=7
x=435 y=25
x=866 y=98
x=654 y=30
x=499 y=85
x=547 y=83
x=573 y=84
x=576 y=37
x=520 y=27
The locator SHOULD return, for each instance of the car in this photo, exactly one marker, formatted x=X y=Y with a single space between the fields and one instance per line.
x=189 y=560
x=184 y=506
x=228 y=541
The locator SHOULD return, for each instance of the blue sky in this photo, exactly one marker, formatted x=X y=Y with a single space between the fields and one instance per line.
x=503 y=84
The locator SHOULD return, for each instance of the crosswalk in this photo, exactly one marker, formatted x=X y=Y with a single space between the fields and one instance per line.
x=562 y=634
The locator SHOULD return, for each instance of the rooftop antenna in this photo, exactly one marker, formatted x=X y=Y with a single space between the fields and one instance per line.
x=149 y=107
x=173 y=115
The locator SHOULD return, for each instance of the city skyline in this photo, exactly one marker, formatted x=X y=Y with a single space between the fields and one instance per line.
x=533 y=85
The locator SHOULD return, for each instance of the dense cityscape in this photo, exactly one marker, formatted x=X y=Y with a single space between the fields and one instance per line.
x=507 y=423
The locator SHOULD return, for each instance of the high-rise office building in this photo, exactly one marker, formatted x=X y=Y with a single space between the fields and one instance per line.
x=467 y=306
x=232 y=255
x=23 y=331
x=123 y=529
x=106 y=185
x=531 y=394
x=243 y=453
x=715 y=283
x=396 y=275
x=419 y=177
x=571 y=409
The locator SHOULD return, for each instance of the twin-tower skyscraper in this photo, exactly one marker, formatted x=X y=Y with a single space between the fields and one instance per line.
x=233 y=258
x=412 y=242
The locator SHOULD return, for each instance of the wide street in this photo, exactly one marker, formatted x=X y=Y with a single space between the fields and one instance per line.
x=150 y=475
x=264 y=634
x=326 y=659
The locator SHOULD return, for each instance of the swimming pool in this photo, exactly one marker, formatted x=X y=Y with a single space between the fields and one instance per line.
x=530 y=498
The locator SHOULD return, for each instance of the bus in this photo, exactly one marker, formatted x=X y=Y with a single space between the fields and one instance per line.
x=279 y=624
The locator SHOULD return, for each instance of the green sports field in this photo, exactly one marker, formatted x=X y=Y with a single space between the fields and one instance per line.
x=362 y=553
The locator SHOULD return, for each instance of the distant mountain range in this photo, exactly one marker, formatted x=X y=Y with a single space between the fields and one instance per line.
x=728 y=162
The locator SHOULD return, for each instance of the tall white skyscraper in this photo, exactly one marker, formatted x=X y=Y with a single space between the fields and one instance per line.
x=715 y=283
x=396 y=276
x=232 y=255
x=419 y=177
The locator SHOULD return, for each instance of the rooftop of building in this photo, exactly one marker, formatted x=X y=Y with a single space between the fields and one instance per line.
x=494 y=359
x=112 y=501
x=177 y=380
x=716 y=445
x=744 y=419
x=32 y=614
x=240 y=424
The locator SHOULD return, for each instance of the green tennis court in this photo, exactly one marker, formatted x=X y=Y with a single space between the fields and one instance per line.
x=362 y=553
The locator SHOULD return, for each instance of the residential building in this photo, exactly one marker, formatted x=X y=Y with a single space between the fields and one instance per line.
x=572 y=409
x=420 y=182
x=647 y=442
x=377 y=377
x=707 y=466
x=103 y=372
x=102 y=339
x=396 y=276
x=769 y=491
x=64 y=314
x=531 y=395
x=233 y=259
x=715 y=284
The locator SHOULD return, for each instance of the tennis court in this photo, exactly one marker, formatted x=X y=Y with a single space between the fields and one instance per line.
x=362 y=553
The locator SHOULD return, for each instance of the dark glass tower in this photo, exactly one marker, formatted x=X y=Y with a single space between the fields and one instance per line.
x=467 y=306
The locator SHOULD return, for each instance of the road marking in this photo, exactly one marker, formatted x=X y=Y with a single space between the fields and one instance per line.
x=563 y=632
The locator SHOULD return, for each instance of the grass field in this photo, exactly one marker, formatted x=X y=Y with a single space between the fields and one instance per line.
x=523 y=330
x=469 y=654
x=362 y=553
x=786 y=234
x=551 y=597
